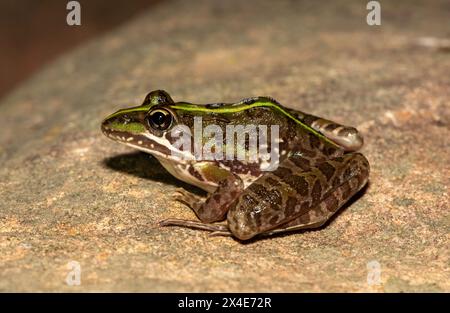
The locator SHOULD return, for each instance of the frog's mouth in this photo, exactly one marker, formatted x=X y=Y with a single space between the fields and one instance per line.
x=146 y=142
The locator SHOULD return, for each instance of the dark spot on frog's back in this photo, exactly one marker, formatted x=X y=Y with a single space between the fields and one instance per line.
x=327 y=169
x=272 y=182
x=298 y=183
x=314 y=141
x=259 y=190
x=307 y=153
x=302 y=163
x=282 y=172
x=333 y=152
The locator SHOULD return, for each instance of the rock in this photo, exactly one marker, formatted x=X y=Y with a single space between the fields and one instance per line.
x=70 y=194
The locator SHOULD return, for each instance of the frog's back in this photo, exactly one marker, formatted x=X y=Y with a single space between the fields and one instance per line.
x=294 y=126
x=346 y=137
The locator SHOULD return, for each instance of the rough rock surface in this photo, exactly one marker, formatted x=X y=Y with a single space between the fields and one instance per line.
x=67 y=193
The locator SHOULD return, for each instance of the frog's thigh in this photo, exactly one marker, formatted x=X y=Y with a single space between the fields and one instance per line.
x=321 y=213
x=290 y=198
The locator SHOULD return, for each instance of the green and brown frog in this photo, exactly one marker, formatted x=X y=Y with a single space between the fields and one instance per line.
x=317 y=167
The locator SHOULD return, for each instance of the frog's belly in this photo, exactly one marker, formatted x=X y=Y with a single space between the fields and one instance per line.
x=181 y=171
x=189 y=174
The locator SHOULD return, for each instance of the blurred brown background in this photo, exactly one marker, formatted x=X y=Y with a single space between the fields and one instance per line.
x=32 y=33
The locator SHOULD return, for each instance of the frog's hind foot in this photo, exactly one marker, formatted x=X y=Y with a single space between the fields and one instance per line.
x=216 y=229
x=226 y=233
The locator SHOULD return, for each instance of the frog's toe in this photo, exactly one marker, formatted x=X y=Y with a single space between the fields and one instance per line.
x=217 y=233
x=214 y=228
x=187 y=198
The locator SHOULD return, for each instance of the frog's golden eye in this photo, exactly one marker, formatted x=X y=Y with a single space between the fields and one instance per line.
x=159 y=119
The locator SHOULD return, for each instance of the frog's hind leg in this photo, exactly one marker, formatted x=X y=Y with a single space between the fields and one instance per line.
x=321 y=213
x=317 y=215
x=291 y=198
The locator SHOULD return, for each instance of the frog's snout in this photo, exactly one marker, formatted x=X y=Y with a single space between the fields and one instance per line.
x=107 y=125
x=116 y=121
x=114 y=124
x=123 y=125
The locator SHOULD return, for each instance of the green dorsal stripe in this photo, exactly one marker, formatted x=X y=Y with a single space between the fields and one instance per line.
x=242 y=107
x=129 y=110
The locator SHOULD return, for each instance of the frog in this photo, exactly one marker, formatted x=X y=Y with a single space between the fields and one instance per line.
x=318 y=167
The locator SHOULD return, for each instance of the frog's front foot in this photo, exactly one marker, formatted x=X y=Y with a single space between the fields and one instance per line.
x=214 y=208
x=191 y=200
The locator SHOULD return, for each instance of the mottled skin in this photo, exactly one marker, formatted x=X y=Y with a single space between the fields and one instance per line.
x=318 y=170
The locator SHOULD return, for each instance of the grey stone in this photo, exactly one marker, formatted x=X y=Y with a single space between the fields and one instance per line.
x=70 y=194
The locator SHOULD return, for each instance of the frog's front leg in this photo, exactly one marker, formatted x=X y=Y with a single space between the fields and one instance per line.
x=292 y=198
x=215 y=207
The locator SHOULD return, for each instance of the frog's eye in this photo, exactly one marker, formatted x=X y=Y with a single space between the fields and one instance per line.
x=159 y=119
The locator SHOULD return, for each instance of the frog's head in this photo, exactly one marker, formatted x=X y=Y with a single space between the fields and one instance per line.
x=146 y=127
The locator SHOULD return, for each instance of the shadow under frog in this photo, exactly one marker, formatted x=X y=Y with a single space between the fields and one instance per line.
x=145 y=166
